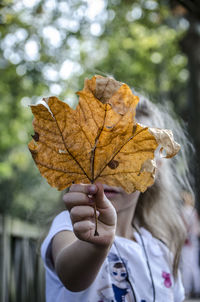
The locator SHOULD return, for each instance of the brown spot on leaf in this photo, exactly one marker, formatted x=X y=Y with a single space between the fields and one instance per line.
x=113 y=164
x=36 y=136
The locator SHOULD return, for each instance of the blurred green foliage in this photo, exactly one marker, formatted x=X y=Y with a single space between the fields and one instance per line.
x=48 y=47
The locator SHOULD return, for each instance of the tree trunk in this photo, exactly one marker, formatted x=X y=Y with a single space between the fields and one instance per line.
x=191 y=47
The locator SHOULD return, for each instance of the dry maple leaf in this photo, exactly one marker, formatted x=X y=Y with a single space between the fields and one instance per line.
x=99 y=141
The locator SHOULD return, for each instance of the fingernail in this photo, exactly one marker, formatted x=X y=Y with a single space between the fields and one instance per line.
x=92 y=189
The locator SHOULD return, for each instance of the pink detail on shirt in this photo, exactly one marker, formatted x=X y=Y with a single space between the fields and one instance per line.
x=167 y=279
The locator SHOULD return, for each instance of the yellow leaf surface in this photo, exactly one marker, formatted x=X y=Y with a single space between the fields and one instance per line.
x=98 y=142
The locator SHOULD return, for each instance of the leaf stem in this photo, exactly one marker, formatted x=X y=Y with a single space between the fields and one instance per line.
x=96 y=220
x=95 y=217
x=95 y=145
x=92 y=167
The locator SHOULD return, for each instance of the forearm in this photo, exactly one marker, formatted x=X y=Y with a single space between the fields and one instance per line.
x=79 y=255
x=78 y=264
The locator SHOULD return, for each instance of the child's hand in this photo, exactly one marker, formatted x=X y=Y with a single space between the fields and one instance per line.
x=80 y=203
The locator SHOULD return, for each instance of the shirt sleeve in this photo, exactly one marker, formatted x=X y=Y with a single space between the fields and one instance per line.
x=179 y=292
x=61 y=222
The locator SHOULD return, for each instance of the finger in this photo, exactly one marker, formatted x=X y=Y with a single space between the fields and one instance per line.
x=84 y=188
x=80 y=213
x=83 y=226
x=73 y=199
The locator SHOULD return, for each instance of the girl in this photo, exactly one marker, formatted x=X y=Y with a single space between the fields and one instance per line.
x=136 y=255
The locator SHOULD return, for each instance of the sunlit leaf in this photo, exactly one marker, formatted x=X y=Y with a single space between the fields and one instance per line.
x=99 y=141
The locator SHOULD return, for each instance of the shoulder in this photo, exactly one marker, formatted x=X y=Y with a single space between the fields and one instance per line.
x=61 y=222
x=163 y=257
x=62 y=219
x=154 y=245
x=157 y=250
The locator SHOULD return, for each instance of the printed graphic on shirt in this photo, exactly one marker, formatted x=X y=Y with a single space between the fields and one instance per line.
x=167 y=284
x=119 y=290
x=167 y=279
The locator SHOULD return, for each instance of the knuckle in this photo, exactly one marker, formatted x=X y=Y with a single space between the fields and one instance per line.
x=82 y=227
x=66 y=197
x=76 y=226
x=75 y=199
x=79 y=188
x=73 y=212
x=73 y=188
x=79 y=213
x=67 y=203
x=76 y=215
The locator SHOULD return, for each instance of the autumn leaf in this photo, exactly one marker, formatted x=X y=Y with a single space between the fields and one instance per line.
x=99 y=141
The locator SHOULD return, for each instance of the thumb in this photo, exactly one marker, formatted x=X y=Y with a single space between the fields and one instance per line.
x=107 y=211
x=99 y=197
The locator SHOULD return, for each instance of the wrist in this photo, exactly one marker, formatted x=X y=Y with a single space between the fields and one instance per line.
x=104 y=242
x=101 y=250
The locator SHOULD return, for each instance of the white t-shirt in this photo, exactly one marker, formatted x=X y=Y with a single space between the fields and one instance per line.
x=125 y=259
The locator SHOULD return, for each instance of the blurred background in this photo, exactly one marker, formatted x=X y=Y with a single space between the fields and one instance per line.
x=48 y=47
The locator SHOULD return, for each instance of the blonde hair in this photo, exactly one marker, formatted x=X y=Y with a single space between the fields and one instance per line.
x=158 y=209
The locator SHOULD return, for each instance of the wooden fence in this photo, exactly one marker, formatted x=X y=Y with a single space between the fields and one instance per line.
x=21 y=268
